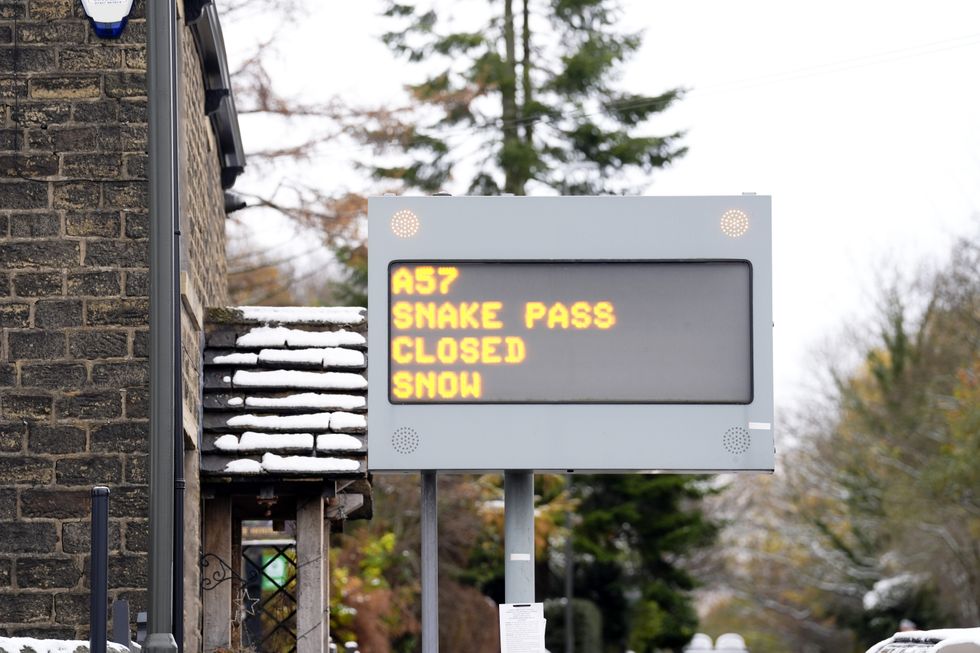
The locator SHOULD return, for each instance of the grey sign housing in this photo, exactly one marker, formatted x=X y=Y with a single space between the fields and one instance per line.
x=590 y=333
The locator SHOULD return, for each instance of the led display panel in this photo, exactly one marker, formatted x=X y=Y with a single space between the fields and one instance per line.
x=565 y=331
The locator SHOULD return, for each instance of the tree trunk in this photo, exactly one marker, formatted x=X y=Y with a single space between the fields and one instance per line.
x=526 y=107
x=508 y=94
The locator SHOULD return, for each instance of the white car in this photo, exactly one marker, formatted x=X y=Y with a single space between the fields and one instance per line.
x=950 y=640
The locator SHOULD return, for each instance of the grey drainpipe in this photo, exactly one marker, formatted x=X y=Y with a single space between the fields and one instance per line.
x=161 y=97
x=179 y=481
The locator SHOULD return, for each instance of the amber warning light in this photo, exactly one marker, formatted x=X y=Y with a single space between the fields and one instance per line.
x=555 y=332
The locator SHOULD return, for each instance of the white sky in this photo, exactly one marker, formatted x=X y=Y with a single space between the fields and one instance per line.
x=861 y=119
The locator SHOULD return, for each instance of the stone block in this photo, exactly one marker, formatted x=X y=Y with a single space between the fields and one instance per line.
x=90 y=405
x=15 y=316
x=137 y=224
x=12 y=436
x=138 y=469
x=55 y=503
x=26 y=608
x=23 y=470
x=76 y=536
x=89 y=471
x=16 y=405
x=118 y=253
x=125 y=84
x=128 y=571
x=48 y=573
x=92 y=165
x=27 y=59
x=137 y=403
x=122 y=437
x=64 y=88
x=138 y=535
x=37 y=284
x=55 y=439
x=36 y=344
x=127 y=195
x=94 y=284
x=39 y=254
x=101 y=224
x=120 y=312
x=137 y=283
x=28 y=165
x=95 y=111
x=89 y=59
x=40 y=114
x=122 y=374
x=97 y=344
x=76 y=194
x=28 y=537
x=52 y=375
x=23 y=194
x=56 y=313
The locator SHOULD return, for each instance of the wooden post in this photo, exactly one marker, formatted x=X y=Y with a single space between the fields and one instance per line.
x=326 y=586
x=310 y=581
x=217 y=600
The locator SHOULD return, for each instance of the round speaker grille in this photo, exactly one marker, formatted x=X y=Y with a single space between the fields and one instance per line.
x=405 y=440
x=737 y=440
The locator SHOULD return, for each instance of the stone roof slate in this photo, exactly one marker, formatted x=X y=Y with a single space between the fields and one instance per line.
x=285 y=393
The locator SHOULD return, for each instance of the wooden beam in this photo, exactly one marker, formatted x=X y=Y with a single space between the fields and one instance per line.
x=310 y=581
x=217 y=600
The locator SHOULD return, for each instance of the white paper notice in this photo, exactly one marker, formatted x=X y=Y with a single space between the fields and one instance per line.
x=522 y=628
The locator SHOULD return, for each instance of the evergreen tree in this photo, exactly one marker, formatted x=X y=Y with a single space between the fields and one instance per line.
x=536 y=94
x=632 y=531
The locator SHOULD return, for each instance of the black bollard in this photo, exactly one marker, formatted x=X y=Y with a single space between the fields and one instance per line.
x=99 y=570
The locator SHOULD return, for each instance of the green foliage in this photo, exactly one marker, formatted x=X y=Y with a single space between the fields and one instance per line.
x=586 y=624
x=633 y=531
x=539 y=102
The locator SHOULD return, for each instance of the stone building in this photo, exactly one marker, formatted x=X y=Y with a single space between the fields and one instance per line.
x=273 y=429
x=74 y=297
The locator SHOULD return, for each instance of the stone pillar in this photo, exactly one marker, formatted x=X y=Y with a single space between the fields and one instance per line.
x=311 y=580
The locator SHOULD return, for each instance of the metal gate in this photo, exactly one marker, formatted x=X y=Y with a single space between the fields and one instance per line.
x=269 y=579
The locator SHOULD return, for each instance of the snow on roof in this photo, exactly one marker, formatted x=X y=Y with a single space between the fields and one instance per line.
x=237 y=358
x=273 y=463
x=253 y=441
x=283 y=422
x=347 y=421
x=286 y=337
x=299 y=379
x=307 y=400
x=336 y=442
x=287 y=382
x=12 y=644
x=340 y=315
x=323 y=356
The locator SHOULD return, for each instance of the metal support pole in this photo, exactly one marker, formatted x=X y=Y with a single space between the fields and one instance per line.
x=569 y=580
x=519 y=537
x=99 y=571
x=161 y=25
x=430 y=564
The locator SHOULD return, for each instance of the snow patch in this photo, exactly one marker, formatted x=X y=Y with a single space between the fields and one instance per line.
x=286 y=337
x=304 y=314
x=226 y=443
x=282 y=422
x=237 y=358
x=347 y=421
x=253 y=441
x=273 y=463
x=337 y=442
x=244 y=466
x=308 y=400
x=298 y=379
x=53 y=645
x=888 y=592
x=226 y=379
x=326 y=356
x=236 y=401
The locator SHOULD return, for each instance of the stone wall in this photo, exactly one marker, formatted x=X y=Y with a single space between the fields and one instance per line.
x=74 y=307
